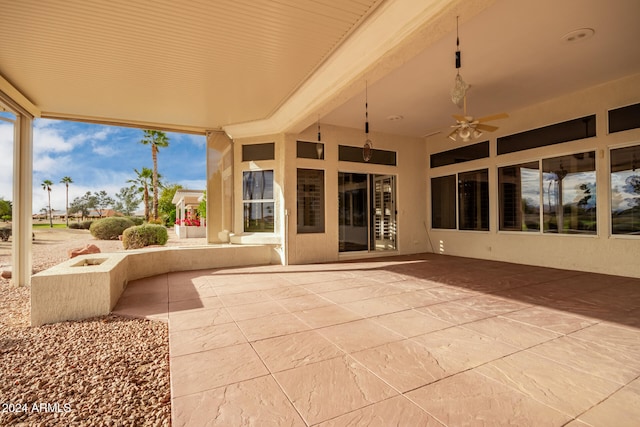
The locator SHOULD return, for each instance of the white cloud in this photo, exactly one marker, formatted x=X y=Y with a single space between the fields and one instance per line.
x=104 y=150
x=6 y=160
x=49 y=136
x=47 y=139
x=52 y=166
x=193 y=184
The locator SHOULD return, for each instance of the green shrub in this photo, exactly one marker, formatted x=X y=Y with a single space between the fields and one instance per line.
x=84 y=225
x=141 y=236
x=136 y=220
x=109 y=228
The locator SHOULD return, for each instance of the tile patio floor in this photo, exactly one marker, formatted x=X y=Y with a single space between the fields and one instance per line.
x=421 y=340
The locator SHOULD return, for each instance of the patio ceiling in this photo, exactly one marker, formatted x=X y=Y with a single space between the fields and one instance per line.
x=195 y=64
x=263 y=66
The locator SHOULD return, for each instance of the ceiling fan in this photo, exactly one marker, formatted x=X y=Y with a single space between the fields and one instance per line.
x=468 y=128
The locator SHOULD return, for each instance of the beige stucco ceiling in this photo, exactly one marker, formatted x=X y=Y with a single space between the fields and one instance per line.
x=255 y=67
x=202 y=64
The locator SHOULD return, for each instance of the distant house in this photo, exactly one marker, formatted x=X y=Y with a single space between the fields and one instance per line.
x=94 y=214
x=188 y=223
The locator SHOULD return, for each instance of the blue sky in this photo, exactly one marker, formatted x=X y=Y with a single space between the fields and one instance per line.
x=98 y=157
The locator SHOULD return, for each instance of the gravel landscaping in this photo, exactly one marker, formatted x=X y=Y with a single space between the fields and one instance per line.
x=108 y=371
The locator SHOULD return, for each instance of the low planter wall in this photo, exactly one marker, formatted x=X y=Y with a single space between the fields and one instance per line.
x=91 y=285
x=186 y=232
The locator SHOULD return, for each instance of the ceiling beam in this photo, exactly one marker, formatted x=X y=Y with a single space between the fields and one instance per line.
x=21 y=101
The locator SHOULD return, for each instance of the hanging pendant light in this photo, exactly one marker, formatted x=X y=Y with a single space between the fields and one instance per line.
x=459 y=90
x=368 y=145
x=319 y=144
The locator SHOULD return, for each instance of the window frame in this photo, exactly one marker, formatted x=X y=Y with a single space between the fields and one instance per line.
x=539 y=159
x=456 y=174
x=258 y=201
x=307 y=229
x=611 y=234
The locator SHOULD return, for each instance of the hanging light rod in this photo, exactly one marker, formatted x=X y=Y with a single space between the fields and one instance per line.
x=319 y=144
x=458 y=54
x=459 y=90
x=368 y=145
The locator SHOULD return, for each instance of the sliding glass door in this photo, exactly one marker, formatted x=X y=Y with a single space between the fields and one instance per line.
x=366 y=212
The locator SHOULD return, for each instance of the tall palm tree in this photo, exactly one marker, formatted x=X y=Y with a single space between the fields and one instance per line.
x=142 y=183
x=46 y=185
x=157 y=139
x=66 y=181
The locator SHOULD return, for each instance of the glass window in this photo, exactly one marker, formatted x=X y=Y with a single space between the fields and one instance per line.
x=254 y=152
x=569 y=198
x=473 y=200
x=624 y=118
x=310 y=201
x=257 y=195
x=625 y=190
x=347 y=153
x=584 y=127
x=461 y=154
x=310 y=150
x=353 y=212
x=519 y=187
x=443 y=202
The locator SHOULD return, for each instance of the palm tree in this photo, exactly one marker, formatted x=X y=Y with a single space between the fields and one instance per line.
x=66 y=181
x=46 y=185
x=142 y=182
x=157 y=139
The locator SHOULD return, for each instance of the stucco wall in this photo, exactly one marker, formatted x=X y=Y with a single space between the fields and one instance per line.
x=410 y=187
x=596 y=253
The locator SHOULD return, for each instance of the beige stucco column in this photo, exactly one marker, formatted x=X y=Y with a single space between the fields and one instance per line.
x=219 y=187
x=21 y=259
x=24 y=111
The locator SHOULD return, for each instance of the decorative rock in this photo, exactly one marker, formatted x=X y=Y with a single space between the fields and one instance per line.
x=88 y=249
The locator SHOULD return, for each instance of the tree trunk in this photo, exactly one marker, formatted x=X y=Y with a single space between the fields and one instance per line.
x=67 y=214
x=146 y=203
x=50 y=213
x=154 y=154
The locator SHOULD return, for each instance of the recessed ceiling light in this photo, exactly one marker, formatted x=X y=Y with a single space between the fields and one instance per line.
x=578 y=35
x=395 y=118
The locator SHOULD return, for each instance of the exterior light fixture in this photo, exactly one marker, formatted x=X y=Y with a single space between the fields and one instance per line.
x=319 y=144
x=460 y=87
x=368 y=145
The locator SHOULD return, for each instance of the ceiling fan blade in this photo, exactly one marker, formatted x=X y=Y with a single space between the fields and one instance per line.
x=452 y=133
x=487 y=128
x=459 y=118
x=427 y=135
x=493 y=117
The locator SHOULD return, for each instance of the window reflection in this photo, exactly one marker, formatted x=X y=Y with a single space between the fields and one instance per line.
x=569 y=199
x=473 y=199
x=520 y=197
x=257 y=191
x=625 y=190
x=443 y=202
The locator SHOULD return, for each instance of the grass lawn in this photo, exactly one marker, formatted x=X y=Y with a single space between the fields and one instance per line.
x=46 y=225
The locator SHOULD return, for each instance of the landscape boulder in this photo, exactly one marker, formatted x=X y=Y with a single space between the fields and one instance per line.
x=88 y=249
